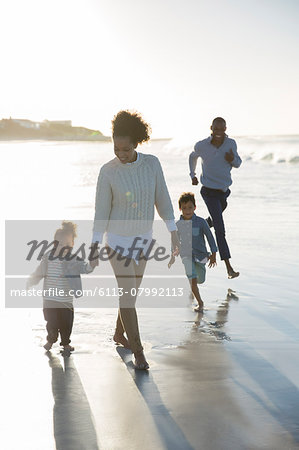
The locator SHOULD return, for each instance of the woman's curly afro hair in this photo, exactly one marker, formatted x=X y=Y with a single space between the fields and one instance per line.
x=127 y=123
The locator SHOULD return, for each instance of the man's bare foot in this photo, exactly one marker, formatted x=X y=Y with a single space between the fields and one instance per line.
x=48 y=346
x=140 y=361
x=232 y=274
x=121 y=339
x=198 y=309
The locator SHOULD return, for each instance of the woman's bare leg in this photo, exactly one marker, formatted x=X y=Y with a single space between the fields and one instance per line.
x=119 y=337
x=139 y=268
x=129 y=278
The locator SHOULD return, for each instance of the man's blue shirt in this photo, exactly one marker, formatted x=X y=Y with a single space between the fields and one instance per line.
x=215 y=170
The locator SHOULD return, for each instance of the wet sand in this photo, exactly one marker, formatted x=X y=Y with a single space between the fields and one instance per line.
x=227 y=380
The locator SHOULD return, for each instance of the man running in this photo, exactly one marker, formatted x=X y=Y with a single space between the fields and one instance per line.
x=218 y=155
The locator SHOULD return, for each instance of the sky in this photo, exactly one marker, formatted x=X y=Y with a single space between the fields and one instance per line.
x=178 y=62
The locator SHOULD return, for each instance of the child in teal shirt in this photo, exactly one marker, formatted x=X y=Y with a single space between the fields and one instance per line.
x=192 y=231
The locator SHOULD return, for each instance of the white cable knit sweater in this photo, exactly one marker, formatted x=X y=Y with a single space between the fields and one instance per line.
x=127 y=194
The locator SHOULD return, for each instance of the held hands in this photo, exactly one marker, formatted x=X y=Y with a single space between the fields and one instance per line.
x=175 y=244
x=175 y=253
x=212 y=260
x=229 y=156
x=94 y=263
x=171 y=261
x=194 y=180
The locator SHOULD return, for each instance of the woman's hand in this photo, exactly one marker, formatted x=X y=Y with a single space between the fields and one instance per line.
x=94 y=255
x=175 y=243
x=171 y=261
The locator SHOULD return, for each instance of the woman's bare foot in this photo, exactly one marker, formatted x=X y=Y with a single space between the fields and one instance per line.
x=121 y=339
x=198 y=309
x=140 y=361
x=48 y=346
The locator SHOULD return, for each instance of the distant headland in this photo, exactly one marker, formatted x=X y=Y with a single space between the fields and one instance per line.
x=54 y=130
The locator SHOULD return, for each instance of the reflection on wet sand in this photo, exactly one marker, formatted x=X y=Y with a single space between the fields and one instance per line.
x=203 y=325
x=194 y=380
x=275 y=394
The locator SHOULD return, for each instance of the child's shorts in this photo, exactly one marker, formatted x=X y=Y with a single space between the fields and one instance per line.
x=194 y=269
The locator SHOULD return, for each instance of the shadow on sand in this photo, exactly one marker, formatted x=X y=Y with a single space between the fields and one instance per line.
x=281 y=392
x=170 y=433
x=73 y=421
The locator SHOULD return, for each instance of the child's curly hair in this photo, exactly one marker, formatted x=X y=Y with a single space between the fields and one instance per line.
x=127 y=123
x=186 y=197
x=66 y=228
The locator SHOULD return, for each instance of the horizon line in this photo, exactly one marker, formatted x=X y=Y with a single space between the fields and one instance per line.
x=156 y=138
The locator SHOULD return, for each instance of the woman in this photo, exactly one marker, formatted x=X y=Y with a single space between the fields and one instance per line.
x=128 y=188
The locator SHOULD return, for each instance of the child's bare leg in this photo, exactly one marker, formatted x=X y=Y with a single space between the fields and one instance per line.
x=191 y=295
x=195 y=291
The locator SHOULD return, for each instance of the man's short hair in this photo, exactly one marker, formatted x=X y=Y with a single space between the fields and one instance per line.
x=219 y=119
x=186 y=197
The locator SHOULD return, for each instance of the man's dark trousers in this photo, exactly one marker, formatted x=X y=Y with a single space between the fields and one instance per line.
x=215 y=199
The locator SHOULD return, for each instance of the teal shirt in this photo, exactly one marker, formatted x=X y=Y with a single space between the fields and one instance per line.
x=192 y=234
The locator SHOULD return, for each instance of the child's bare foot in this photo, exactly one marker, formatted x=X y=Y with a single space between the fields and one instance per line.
x=199 y=308
x=140 y=361
x=232 y=274
x=48 y=346
x=121 y=339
